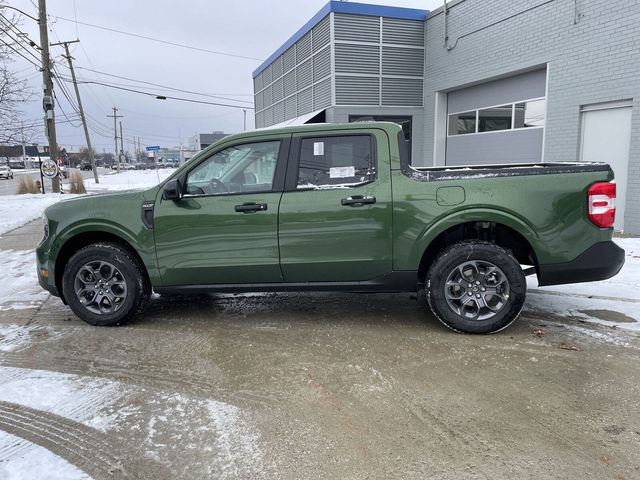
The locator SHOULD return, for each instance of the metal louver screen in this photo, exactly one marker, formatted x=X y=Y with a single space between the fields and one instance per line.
x=278 y=93
x=303 y=47
x=305 y=74
x=259 y=120
x=277 y=68
x=402 y=92
x=322 y=64
x=278 y=112
x=357 y=58
x=357 y=90
x=290 y=83
x=266 y=76
x=290 y=108
x=268 y=117
x=321 y=34
x=322 y=94
x=257 y=83
x=268 y=96
x=305 y=101
x=403 y=32
x=259 y=101
x=402 y=61
x=289 y=58
x=357 y=28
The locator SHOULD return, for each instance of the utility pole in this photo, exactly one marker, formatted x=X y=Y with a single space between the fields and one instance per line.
x=115 y=131
x=84 y=121
x=47 y=102
x=121 y=141
x=244 y=112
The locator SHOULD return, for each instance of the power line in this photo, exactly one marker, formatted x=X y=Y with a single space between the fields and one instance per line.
x=166 y=42
x=26 y=58
x=164 y=86
x=19 y=35
x=163 y=97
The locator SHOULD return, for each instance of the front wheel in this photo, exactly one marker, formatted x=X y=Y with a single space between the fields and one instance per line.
x=104 y=284
x=476 y=287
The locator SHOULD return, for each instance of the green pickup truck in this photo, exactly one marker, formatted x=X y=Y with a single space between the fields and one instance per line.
x=334 y=208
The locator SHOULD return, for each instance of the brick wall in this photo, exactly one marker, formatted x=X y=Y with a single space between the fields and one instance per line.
x=592 y=56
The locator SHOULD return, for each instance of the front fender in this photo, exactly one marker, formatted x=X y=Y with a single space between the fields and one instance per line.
x=142 y=241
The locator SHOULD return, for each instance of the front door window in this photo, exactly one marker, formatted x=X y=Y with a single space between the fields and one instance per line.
x=246 y=168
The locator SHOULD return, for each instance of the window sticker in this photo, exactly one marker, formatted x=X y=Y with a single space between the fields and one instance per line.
x=318 y=149
x=342 y=172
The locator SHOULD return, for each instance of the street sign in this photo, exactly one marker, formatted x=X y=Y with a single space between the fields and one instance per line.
x=49 y=169
x=153 y=148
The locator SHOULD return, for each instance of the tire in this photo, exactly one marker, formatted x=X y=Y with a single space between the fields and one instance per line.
x=120 y=290
x=476 y=287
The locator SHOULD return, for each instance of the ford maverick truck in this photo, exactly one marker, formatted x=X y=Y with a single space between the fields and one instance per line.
x=335 y=208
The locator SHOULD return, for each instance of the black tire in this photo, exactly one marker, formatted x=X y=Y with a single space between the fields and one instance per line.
x=452 y=275
x=131 y=274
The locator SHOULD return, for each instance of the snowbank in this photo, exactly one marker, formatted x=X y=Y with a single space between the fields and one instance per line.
x=128 y=180
x=18 y=210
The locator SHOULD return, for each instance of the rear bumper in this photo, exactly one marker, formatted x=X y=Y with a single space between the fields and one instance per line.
x=599 y=262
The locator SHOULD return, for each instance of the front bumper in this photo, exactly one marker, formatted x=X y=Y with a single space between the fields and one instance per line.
x=600 y=261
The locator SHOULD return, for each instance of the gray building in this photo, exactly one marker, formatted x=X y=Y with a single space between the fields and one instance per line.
x=486 y=81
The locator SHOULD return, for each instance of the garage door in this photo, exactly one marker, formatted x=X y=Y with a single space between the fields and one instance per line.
x=501 y=121
x=606 y=136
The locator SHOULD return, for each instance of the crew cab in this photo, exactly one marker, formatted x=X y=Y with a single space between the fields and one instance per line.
x=335 y=208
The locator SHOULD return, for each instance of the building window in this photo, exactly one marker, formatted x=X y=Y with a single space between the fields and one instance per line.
x=529 y=114
x=332 y=161
x=462 y=123
x=496 y=118
x=525 y=114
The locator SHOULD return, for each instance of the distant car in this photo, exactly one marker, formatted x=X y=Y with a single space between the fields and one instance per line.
x=129 y=166
x=6 y=172
x=85 y=166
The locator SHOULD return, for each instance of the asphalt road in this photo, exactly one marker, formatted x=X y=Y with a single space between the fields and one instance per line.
x=10 y=187
x=332 y=386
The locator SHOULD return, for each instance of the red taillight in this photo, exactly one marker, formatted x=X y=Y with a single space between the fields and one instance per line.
x=601 y=202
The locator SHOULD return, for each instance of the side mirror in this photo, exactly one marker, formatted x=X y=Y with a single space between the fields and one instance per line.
x=172 y=190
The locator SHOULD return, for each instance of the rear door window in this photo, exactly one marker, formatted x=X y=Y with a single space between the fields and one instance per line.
x=337 y=161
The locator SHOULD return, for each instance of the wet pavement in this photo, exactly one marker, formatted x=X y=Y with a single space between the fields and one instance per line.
x=317 y=386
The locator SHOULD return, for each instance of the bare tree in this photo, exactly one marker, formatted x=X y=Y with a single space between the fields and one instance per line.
x=14 y=91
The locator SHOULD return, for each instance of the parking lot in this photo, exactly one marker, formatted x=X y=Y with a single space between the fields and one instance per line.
x=312 y=386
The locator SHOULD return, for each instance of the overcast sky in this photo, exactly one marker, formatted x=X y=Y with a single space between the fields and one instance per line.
x=248 y=28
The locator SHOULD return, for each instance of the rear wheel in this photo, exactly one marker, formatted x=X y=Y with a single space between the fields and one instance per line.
x=104 y=284
x=476 y=287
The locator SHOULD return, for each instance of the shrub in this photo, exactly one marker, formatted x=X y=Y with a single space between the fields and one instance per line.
x=27 y=185
x=76 y=183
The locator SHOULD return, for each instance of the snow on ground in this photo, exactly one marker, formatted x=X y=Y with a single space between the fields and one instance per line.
x=614 y=302
x=217 y=431
x=128 y=180
x=18 y=210
x=20 y=460
x=19 y=281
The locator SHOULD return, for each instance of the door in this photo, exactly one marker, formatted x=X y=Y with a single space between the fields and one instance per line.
x=225 y=228
x=335 y=216
x=606 y=137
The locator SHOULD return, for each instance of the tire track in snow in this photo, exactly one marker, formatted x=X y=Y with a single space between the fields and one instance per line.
x=81 y=446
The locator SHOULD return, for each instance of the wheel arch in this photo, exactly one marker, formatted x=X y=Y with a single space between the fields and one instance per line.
x=505 y=231
x=82 y=239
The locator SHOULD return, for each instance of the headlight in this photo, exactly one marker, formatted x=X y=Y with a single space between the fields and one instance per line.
x=45 y=226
